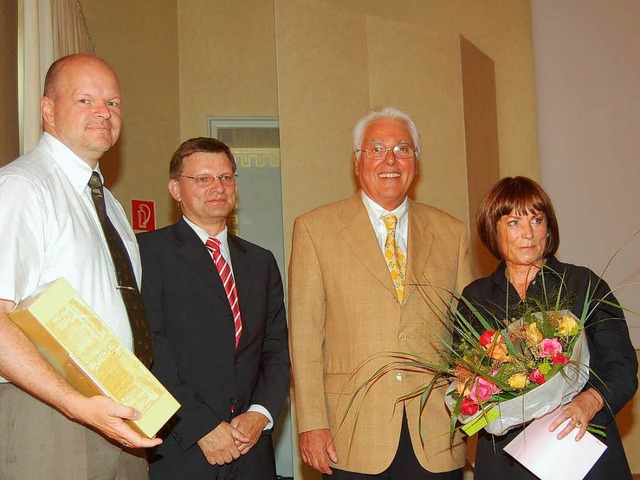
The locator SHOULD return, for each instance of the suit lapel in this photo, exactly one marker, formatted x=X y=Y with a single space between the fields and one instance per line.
x=419 y=244
x=358 y=234
x=192 y=251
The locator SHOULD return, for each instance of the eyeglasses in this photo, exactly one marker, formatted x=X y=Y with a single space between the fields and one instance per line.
x=206 y=180
x=379 y=152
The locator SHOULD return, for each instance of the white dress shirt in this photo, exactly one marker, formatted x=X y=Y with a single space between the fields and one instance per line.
x=375 y=211
x=50 y=229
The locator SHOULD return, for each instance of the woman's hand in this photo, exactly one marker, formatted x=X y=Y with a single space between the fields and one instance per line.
x=580 y=411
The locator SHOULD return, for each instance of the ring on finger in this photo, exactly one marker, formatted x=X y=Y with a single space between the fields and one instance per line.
x=576 y=423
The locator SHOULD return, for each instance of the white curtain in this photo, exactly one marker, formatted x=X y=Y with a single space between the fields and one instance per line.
x=50 y=29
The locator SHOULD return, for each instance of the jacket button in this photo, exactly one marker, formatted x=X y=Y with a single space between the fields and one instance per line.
x=402 y=336
x=399 y=376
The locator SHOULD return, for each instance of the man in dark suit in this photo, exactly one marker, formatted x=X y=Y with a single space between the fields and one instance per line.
x=227 y=366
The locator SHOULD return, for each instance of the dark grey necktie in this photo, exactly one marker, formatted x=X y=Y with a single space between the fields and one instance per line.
x=126 y=279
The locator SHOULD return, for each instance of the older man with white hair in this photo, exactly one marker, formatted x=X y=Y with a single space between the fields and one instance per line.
x=368 y=276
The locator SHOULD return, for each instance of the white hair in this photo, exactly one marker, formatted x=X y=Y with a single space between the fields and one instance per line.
x=384 y=113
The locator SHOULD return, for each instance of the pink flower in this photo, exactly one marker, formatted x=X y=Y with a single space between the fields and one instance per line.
x=486 y=338
x=549 y=347
x=537 y=377
x=482 y=389
x=468 y=406
x=559 y=358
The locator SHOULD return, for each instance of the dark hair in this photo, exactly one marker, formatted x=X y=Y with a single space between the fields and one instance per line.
x=520 y=195
x=195 y=145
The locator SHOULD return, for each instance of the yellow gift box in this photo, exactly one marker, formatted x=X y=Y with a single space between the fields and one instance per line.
x=85 y=351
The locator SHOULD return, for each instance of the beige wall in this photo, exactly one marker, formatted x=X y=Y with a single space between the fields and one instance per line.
x=139 y=39
x=323 y=89
x=337 y=60
x=227 y=61
x=224 y=63
x=9 y=140
x=179 y=62
x=186 y=60
x=502 y=30
x=481 y=139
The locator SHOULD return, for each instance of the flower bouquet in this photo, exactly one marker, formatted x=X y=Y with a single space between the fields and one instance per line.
x=498 y=373
x=502 y=379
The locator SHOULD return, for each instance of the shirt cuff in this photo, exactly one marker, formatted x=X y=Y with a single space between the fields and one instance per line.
x=265 y=412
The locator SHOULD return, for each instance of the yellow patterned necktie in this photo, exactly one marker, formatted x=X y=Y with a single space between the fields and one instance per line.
x=396 y=261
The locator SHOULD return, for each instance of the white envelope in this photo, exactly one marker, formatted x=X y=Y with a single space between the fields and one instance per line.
x=548 y=458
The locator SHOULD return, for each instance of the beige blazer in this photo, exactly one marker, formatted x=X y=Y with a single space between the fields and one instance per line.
x=345 y=321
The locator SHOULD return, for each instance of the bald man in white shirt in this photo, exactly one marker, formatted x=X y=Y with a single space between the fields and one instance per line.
x=50 y=229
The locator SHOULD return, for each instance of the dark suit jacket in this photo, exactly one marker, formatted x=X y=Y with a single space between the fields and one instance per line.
x=194 y=340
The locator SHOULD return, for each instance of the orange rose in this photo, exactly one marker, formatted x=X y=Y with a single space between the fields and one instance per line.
x=493 y=342
x=498 y=351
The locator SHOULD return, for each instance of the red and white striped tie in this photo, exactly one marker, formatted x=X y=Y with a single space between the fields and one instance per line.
x=229 y=283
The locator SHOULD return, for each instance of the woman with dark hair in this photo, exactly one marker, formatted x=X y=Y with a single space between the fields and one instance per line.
x=517 y=224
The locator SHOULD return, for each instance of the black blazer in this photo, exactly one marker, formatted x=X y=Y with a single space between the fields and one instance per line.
x=194 y=339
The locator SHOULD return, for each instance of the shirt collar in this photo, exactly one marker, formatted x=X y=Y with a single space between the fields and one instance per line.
x=375 y=211
x=552 y=272
x=203 y=235
x=75 y=169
